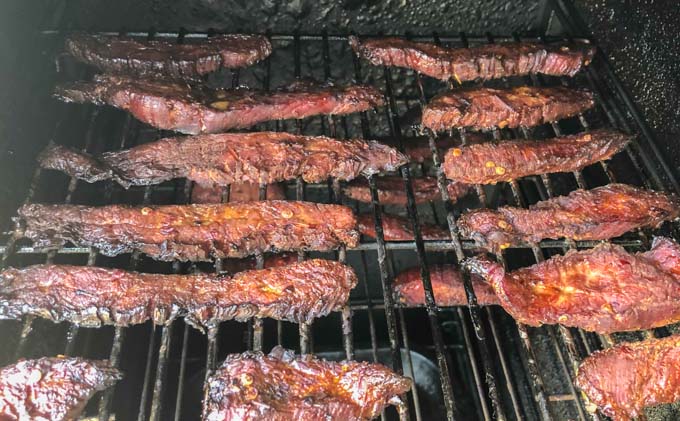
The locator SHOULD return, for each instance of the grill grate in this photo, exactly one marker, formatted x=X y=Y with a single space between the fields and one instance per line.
x=487 y=365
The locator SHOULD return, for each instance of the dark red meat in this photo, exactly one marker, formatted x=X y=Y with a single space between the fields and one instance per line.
x=491 y=162
x=241 y=192
x=392 y=190
x=162 y=58
x=396 y=228
x=493 y=61
x=193 y=232
x=193 y=110
x=92 y=296
x=485 y=108
x=604 y=289
x=223 y=159
x=597 y=214
x=55 y=389
x=418 y=149
x=447 y=286
x=283 y=387
x=625 y=379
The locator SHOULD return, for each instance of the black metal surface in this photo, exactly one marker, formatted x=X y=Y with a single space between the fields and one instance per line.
x=486 y=366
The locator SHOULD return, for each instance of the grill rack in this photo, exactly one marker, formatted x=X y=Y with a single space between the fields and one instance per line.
x=499 y=393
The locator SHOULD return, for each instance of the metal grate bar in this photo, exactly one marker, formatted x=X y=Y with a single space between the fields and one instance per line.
x=473 y=307
x=568 y=343
x=385 y=278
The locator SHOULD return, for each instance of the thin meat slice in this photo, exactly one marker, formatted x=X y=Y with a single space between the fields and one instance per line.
x=492 y=61
x=55 y=389
x=162 y=58
x=92 y=296
x=598 y=214
x=282 y=387
x=193 y=110
x=193 y=232
x=486 y=108
x=224 y=159
x=418 y=149
x=492 y=162
x=625 y=379
x=603 y=290
x=396 y=228
x=392 y=190
x=447 y=286
x=241 y=192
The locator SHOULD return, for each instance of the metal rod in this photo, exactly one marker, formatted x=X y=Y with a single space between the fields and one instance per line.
x=141 y=414
x=163 y=351
x=474 y=308
x=114 y=361
x=182 y=374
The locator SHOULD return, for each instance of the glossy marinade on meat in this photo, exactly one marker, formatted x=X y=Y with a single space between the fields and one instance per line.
x=486 y=108
x=93 y=296
x=392 y=190
x=397 y=228
x=625 y=379
x=55 y=389
x=603 y=290
x=282 y=387
x=224 y=159
x=598 y=214
x=492 y=162
x=492 y=61
x=193 y=232
x=194 y=109
x=162 y=58
x=447 y=286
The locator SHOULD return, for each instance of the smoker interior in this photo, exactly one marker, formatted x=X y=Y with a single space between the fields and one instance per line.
x=467 y=363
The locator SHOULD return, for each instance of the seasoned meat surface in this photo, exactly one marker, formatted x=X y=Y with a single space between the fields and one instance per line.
x=93 y=296
x=283 y=387
x=51 y=389
x=447 y=286
x=493 y=61
x=241 y=192
x=163 y=58
x=604 y=289
x=193 y=232
x=491 y=162
x=193 y=110
x=392 y=190
x=598 y=214
x=397 y=228
x=223 y=159
x=485 y=108
x=628 y=377
x=418 y=149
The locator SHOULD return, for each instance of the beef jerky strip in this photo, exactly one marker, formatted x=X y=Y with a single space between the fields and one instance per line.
x=92 y=296
x=491 y=162
x=598 y=214
x=491 y=61
x=603 y=290
x=486 y=108
x=224 y=159
x=55 y=389
x=282 y=387
x=162 y=58
x=193 y=232
x=396 y=228
x=392 y=190
x=193 y=110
